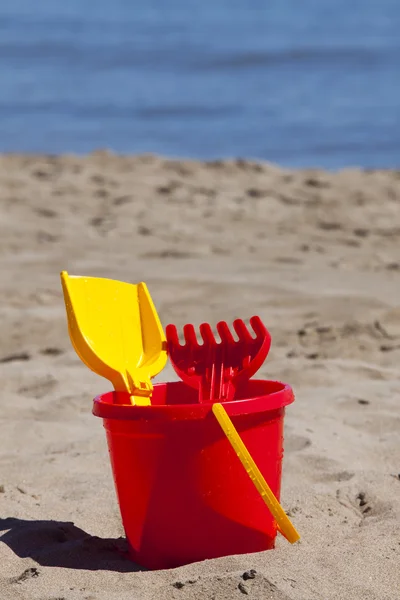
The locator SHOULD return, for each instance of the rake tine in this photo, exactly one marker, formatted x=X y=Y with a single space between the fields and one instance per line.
x=258 y=327
x=190 y=335
x=242 y=331
x=225 y=333
x=207 y=334
x=171 y=333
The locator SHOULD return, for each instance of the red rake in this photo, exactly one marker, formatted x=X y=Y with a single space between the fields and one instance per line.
x=218 y=368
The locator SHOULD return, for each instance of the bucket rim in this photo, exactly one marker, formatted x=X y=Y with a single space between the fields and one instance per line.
x=104 y=407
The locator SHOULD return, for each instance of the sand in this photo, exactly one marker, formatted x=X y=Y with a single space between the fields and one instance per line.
x=315 y=254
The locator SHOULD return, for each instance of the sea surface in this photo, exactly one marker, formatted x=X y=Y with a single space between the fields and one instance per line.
x=301 y=83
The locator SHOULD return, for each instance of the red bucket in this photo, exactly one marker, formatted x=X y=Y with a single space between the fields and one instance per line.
x=184 y=495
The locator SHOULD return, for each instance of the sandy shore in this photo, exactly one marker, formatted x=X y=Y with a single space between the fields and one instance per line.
x=316 y=254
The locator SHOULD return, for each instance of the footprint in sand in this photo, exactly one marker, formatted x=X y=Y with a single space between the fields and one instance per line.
x=250 y=583
x=39 y=389
x=296 y=443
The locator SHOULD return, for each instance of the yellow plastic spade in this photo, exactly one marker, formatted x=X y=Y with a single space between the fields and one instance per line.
x=116 y=332
x=285 y=526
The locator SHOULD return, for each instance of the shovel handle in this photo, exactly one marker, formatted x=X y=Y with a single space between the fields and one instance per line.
x=284 y=524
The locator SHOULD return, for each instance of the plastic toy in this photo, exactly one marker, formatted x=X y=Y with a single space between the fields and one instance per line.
x=116 y=332
x=217 y=369
x=184 y=496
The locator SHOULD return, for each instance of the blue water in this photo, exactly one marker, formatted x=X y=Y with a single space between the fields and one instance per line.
x=299 y=82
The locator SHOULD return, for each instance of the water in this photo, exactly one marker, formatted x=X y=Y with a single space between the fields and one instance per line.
x=310 y=83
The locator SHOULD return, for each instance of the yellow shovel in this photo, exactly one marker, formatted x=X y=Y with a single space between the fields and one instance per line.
x=116 y=332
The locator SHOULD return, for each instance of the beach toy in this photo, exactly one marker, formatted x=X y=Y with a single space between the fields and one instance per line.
x=218 y=369
x=116 y=332
x=183 y=494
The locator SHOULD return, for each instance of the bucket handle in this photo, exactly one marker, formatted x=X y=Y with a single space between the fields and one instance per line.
x=285 y=526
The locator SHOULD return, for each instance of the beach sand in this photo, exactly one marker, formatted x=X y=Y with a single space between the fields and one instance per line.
x=315 y=254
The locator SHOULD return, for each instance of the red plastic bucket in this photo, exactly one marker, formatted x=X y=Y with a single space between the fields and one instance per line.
x=184 y=496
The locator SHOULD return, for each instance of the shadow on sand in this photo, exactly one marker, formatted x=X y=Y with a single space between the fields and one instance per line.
x=62 y=544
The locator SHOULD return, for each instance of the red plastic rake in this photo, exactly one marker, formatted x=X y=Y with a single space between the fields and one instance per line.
x=218 y=368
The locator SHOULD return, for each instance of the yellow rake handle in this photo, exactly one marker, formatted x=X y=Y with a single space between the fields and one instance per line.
x=284 y=524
